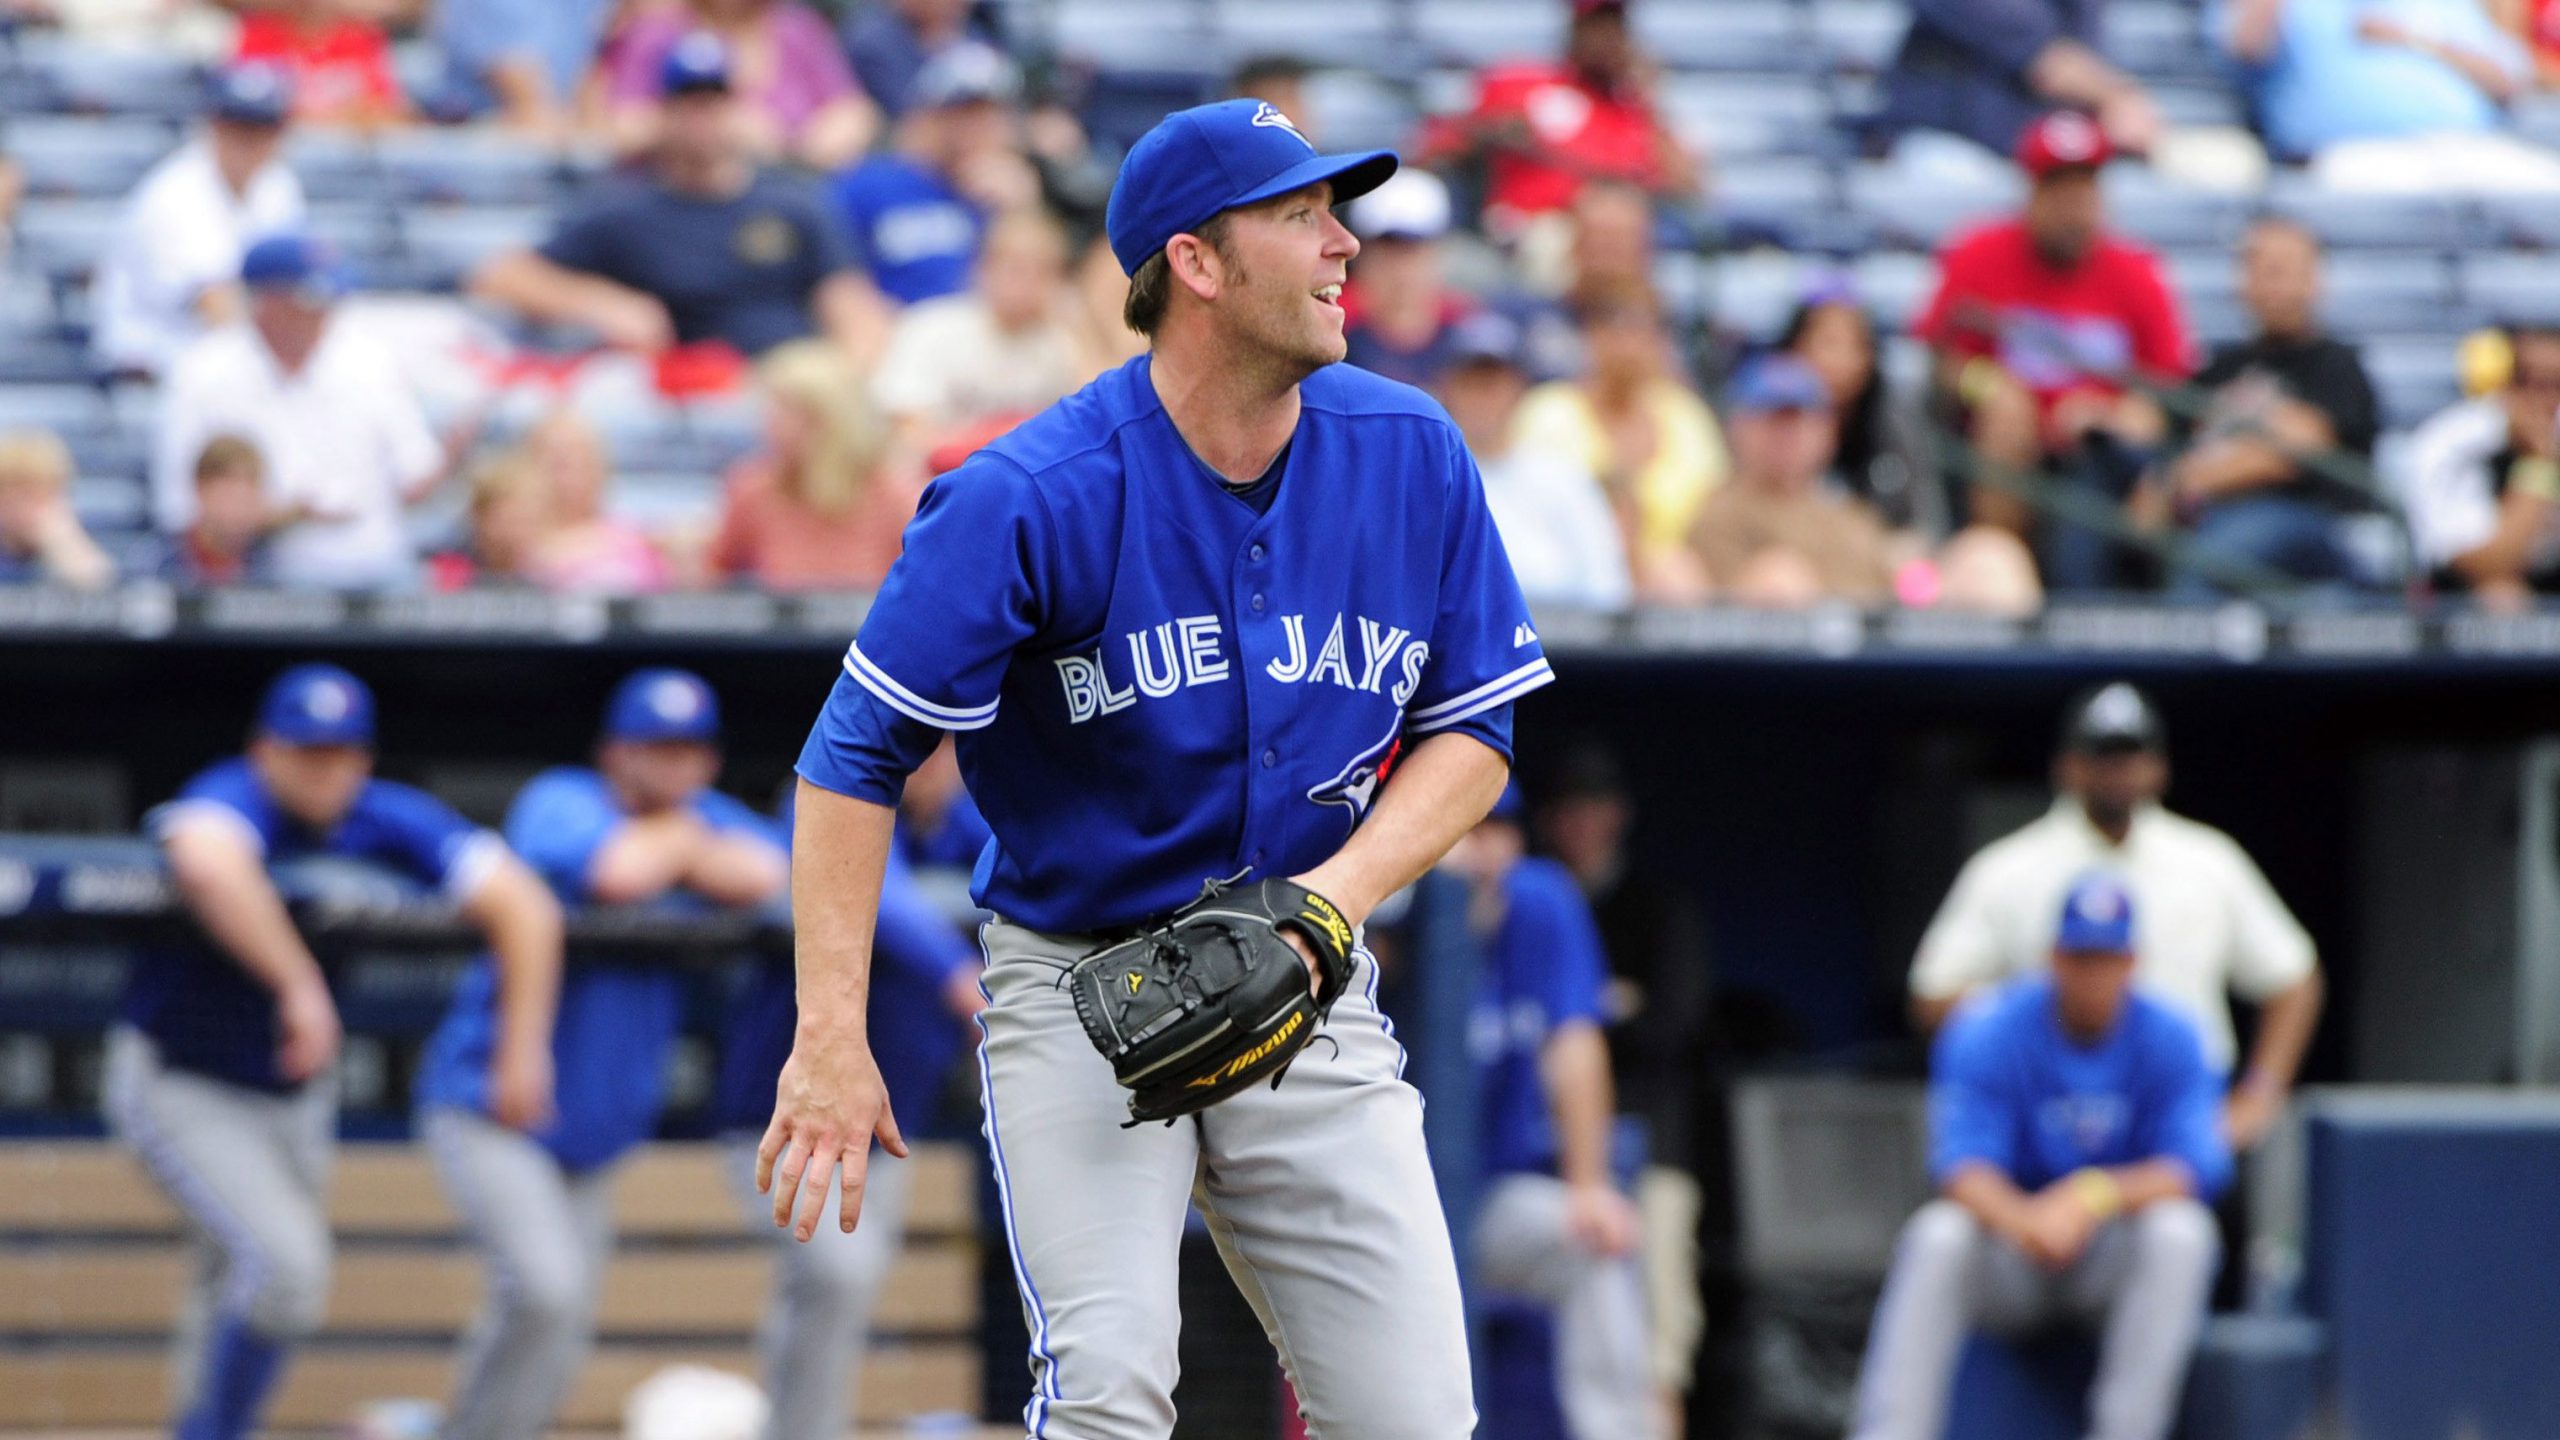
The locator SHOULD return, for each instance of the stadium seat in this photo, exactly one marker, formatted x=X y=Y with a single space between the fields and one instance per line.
x=2167 y=215
x=1769 y=36
x=109 y=80
x=2511 y=287
x=1920 y=212
x=2156 y=38
x=1895 y=286
x=336 y=166
x=1358 y=110
x=1859 y=35
x=2372 y=222
x=1751 y=294
x=111 y=502
x=2414 y=379
x=2372 y=293
x=1134 y=34
x=62 y=239
x=438 y=248
x=1732 y=116
x=1480 y=32
x=1340 y=32
x=93 y=156
x=473 y=168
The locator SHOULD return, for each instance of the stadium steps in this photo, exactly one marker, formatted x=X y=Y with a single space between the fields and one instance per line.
x=93 y=1262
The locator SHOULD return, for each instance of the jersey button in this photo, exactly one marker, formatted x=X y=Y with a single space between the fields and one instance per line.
x=1255 y=552
x=1270 y=758
x=1257 y=604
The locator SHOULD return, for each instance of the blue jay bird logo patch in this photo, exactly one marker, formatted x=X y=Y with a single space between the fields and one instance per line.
x=1356 y=787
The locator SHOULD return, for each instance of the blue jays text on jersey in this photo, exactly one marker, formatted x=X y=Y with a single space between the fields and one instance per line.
x=1157 y=683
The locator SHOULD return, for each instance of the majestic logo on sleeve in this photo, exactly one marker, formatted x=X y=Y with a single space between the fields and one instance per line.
x=1355 y=788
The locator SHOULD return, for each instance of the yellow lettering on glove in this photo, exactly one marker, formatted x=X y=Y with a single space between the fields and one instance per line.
x=1245 y=1061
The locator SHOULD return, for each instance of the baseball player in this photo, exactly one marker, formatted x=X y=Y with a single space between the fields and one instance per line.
x=222 y=1071
x=1185 y=623
x=536 y=1199
x=1553 y=1226
x=2075 y=1139
x=819 y=1324
x=2213 y=924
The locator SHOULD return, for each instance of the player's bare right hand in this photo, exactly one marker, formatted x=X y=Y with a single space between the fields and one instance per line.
x=520 y=1086
x=307 y=1032
x=827 y=1106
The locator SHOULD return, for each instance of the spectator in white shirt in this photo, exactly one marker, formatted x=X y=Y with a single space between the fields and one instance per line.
x=1565 y=545
x=1004 y=347
x=2211 y=923
x=170 y=272
x=2480 y=481
x=346 y=445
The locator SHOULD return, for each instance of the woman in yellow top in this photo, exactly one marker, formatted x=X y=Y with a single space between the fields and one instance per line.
x=1632 y=420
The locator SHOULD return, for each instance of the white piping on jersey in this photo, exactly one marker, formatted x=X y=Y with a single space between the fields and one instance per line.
x=477 y=858
x=908 y=703
x=1482 y=698
x=167 y=816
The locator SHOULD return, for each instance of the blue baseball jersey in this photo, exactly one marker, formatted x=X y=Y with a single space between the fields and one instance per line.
x=918 y=235
x=609 y=1044
x=1156 y=683
x=1543 y=969
x=954 y=841
x=2011 y=1089
x=206 y=1012
x=914 y=1036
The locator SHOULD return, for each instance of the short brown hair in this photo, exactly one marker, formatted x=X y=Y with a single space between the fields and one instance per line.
x=1151 y=289
x=229 y=455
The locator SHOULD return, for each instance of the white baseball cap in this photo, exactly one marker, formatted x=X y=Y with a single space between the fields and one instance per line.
x=1412 y=204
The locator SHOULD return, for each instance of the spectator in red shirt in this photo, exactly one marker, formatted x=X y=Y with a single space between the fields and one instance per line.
x=1543 y=127
x=340 y=62
x=2044 y=328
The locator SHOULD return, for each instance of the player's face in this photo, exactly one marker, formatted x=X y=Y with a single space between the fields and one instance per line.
x=1585 y=831
x=315 y=784
x=1783 y=450
x=2090 y=986
x=1281 y=291
x=2111 y=785
x=660 y=774
x=2064 y=212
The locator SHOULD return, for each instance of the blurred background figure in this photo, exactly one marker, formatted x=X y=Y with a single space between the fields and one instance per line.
x=2481 y=482
x=703 y=245
x=889 y=44
x=823 y=504
x=338 y=56
x=1541 y=128
x=41 y=538
x=1983 y=70
x=523 y=65
x=2212 y=927
x=1554 y=519
x=582 y=546
x=535 y=1190
x=1882 y=452
x=1280 y=81
x=506 y=522
x=222 y=1070
x=2043 y=329
x=798 y=102
x=171 y=269
x=225 y=544
x=2275 y=412
x=1002 y=349
x=916 y=211
x=1633 y=420
x=1398 y=306
x=924 y=990
x=347 y=448
x=1663 y=1054
x=2075 y=1140
x=938 y=824
x=1553 y=1226
x=1772 y=536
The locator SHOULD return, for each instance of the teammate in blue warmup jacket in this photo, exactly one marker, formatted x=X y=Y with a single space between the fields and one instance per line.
x=819 y=1323
x=1553 y=1225
x=643 y=825
x=1185 y=623
x=2076 y=1139
x=222 y=1072
x=938 y=824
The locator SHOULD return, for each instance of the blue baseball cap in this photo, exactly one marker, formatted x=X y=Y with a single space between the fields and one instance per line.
x=1777 y=382
x=2097 y=918
x=695 y=63
x=250 y=93
x=658 y=705
x=965 y=72
x=1488 y=337
x=1206 y=160
x=297 y=262
x=317 y=705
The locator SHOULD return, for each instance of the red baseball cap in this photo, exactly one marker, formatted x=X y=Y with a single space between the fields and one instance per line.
x=1594 y=7
x=2062 y=140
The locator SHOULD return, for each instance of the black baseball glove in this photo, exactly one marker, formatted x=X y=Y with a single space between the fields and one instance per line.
x=1195 y=1009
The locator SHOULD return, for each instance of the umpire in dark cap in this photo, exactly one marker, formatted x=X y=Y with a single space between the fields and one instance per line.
x=2213 y=927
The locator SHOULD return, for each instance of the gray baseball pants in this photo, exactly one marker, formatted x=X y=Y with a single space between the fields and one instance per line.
x=1319 y=1195
x=818 y=1323
x=2142 y=1283
x=250 y=1171
x=545 y=1235
x=1604 y=1372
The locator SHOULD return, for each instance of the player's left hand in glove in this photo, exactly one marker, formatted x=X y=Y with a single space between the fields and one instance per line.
x=1213 y=1000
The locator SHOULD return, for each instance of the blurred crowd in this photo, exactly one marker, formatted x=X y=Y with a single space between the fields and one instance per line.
x=877 y=226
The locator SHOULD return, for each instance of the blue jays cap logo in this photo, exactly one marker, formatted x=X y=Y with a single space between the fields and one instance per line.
x=674 y=699
x=1268 y=116
x=327 y=701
